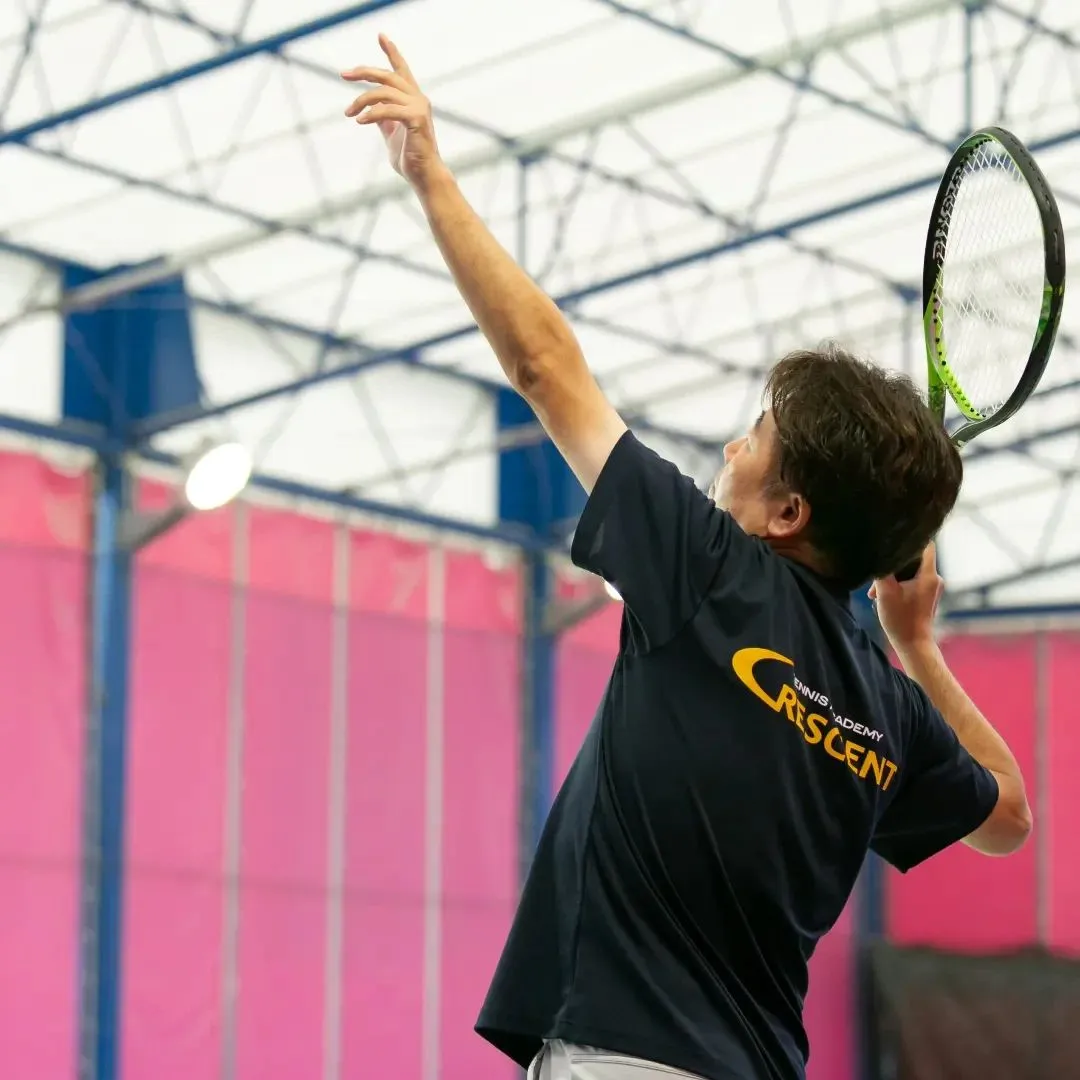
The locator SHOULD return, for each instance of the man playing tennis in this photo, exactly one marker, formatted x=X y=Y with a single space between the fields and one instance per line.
x=752 y=744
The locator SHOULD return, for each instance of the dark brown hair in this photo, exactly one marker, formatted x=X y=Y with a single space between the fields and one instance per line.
x=861 y=446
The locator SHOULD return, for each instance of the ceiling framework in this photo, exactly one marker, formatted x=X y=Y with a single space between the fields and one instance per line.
x=699 y=189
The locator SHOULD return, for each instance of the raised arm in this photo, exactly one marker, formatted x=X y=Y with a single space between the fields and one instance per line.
x=906 y=612
x=533 y=341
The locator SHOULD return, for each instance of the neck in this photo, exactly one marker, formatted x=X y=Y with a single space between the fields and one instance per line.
x=799 y=551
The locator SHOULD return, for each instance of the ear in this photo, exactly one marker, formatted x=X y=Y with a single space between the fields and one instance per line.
x=790 y=516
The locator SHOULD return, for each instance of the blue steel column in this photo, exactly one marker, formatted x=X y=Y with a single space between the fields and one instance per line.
x=536 y=490
x=122 y=363
x=106 y=773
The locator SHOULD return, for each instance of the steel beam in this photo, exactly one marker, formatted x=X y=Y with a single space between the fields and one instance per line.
x=271 y=43
x=796 y=82
x=1017 y=577
x=365 y=359
x=692 y=201
x=98 y=442
x=658 y=269
x=527 y=146
x=1016 y=612
x=106 y=776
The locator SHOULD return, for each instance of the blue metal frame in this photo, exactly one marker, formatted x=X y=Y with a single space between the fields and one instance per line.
x=653 y=270
x=271 y=43
x=530 y=480
x=87 y=438
x=538 y=491
x=803 y=83
x=144 y=430
x=103 y=861
x=963 y=616
x=692 y=200
x=120 y=363
x=984 y=588
x=366 y=358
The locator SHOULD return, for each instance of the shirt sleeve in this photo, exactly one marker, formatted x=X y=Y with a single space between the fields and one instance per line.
x=650 y=532
x=945 y=794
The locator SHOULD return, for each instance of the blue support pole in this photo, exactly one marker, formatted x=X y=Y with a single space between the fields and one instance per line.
x=121 y=363
x=536 y=490
x=106 y=776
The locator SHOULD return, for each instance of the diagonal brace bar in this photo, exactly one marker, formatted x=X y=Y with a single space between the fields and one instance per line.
x=597 y=288
x=271 y=43
x=536 y=143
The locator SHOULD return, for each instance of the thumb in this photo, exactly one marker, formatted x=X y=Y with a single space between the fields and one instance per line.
x=388 y=127
x=886 y=586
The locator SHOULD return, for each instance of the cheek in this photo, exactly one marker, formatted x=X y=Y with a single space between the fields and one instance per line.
x=731 y=479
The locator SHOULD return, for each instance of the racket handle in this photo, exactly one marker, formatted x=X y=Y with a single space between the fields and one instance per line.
x=906 y=573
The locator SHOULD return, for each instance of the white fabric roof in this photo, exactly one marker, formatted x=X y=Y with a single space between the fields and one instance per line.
x=710 y=184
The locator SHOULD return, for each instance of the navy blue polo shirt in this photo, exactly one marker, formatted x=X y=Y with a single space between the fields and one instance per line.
x=751 y=746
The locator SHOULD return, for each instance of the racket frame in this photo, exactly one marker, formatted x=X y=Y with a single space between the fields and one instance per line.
x=941 y=382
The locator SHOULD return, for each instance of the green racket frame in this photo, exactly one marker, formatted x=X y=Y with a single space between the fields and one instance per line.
x=941 y=381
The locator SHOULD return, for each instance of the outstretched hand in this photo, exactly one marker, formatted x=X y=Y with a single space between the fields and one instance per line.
x=402 y=113
x=906 y=609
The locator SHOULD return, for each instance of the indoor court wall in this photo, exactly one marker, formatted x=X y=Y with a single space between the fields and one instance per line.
x=323 y=796
x=43 y=648
x=1028 y=686
x=322 y=802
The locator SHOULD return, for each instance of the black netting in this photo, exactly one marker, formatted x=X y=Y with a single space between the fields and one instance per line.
x=944 y=1016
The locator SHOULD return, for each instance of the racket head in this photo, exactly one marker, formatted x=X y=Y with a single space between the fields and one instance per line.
x=993 y=281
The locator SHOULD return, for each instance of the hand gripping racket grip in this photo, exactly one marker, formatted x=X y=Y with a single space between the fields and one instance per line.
x=906 y=573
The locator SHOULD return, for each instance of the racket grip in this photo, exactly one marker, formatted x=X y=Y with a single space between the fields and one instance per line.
x=906 y=573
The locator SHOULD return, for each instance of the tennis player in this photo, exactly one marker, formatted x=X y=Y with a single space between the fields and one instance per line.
x=752 y=744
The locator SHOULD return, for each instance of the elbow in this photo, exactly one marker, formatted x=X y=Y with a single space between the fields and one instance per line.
x=1022 y=824
x=529 y=375
x=1008 y=828
x=546 y=357
x=1014 y=829
x=534 y=374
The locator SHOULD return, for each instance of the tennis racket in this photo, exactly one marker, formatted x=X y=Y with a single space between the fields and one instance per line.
x=993 y=284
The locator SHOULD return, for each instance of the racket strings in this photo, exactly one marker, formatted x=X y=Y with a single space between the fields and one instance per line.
x=990 y=290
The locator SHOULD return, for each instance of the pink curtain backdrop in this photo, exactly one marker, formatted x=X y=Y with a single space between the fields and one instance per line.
x=424 y=702
x=288 y=660
x=960 y=899
x=43 y=576
x=386 y=800
x=481 y=710
x=584 y=661
x=1062 y=803
x=173 y=894
x=426 y=828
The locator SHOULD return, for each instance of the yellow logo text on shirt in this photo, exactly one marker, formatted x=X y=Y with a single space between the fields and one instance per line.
x=865 y=762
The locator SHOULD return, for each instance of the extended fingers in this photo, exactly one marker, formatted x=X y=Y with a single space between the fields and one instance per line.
x=397 y=61
x=381 y=95
x=377 y=75
x=387 y=114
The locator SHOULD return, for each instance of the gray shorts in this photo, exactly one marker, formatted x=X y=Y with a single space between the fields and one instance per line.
x=564 y=1061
